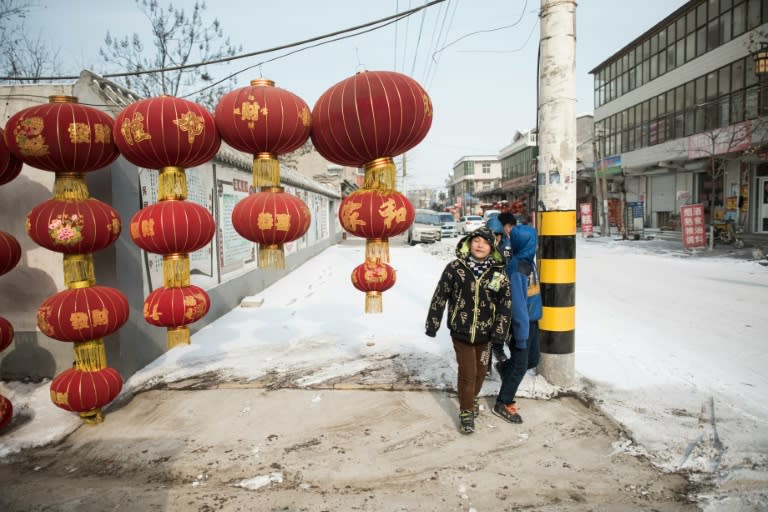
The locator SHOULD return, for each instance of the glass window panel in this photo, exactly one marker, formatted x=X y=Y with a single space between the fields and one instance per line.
x=701 y=15
x=701 y=41
x=670 y=101
x=753 y=14
x=724 y=81
x=652 y=109
x=725 y=110
x=739 y=19
x=751 y=103
x=690 y=22
x=671 y=58
x=680 y=53
x=680 y=27
x=690 y=47
x=765 y=11
x=711 y=85
x=654 y=43
x=713 y=8
x=713 y=34
x=671 y=34
x=749 y=71
x=661 y=101
x=725 y=5
x=663 y=61
x=631 y=77
x=737 y=75
x=631 y=57
x=653 y=66
x=737 y=107
x=689 y=124
x=725 y=27
x=662 y=39
x=646 y=46
x=690 y=94
x=680 y=98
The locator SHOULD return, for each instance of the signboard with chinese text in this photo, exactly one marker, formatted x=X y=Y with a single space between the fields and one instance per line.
x=585 y=209
x=692 y=225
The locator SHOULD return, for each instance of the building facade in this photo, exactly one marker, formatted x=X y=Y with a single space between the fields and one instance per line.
x=680 y=116
x=472 y=177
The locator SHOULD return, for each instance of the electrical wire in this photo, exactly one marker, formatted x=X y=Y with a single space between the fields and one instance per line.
x=418 y=42
x=395 y=17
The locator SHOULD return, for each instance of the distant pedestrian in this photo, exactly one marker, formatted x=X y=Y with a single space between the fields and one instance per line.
x=475 y=288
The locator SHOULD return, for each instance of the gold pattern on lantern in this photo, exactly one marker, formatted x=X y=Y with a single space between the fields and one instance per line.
x=177 y=336
x=90 y=356
x=115 y=225
x=249 y=111
x=350 y=215
x=102 y=133
x=427 y=105
x=42 y=322
x=176 y=270
x=79 y=320
x=28 y=137
x=282 y=221
x=133 y=129
x=375 y=274
x=99 y=317
x=265 y=221
x=79 y=133
x=59 y=398
x=388 y=211
x=192 y=124
x=154 y=315
x=305 y=116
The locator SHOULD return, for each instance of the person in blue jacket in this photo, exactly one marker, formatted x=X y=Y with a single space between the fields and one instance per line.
x=513 y=369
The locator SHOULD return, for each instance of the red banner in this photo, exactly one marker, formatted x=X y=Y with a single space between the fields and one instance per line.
x=692 y=225
x=585 y=209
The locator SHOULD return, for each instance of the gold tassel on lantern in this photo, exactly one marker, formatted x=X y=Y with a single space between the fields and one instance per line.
x=377 y=249
x=171 y=183
x=380 y=174
x=70 y=186
x=90 y=356
x=374 y=302
x=78 y=270
x=178 y=336
x=266 y=170
x=271 y=256
x=176 y=270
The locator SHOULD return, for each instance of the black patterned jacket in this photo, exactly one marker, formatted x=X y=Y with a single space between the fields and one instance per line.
x=479 y=309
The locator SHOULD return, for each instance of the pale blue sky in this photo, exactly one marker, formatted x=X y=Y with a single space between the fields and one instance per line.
x=483 y=87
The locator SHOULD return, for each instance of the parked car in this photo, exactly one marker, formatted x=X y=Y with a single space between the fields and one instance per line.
x=449 y=225
x=426 y=228
x=469 y=223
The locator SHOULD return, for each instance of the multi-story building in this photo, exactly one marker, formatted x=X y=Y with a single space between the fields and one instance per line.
x=518 y=171
x=680 y=116
x=473 y=175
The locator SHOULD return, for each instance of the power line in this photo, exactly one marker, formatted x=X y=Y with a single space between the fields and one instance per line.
x=395 y=17
x=418 y=42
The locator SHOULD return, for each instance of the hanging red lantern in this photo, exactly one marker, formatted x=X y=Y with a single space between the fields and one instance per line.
x=62 y=136
x=271 y=220
x=172 y=227
x=265 y=121
x=82 y=314
x=85 y=392
x=6 y=333
x=373 y=277
x=166 y=132
x=176 y=307
x=377 y=215
x=10 y=252
x=10 y=166
x=6 y=412
x=73 y=227
x=369 y=118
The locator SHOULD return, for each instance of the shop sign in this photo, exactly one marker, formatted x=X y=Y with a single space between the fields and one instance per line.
x=694 y=230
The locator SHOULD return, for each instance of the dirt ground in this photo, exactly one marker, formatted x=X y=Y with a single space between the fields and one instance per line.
x=331 y=450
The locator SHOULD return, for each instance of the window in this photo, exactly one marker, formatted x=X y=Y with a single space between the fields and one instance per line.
x=701 y=41
x=725 y=27
x=713 y=34
x=690 y=47
x=486 y=168
x=753 y=14
x=739 y=19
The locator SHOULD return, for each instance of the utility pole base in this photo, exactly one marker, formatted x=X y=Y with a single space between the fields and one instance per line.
x=558 y=369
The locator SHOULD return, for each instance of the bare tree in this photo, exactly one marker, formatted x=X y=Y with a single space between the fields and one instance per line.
x=20 y=54
x=178 y=39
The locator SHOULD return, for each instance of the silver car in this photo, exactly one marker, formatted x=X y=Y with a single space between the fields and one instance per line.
x=449 y=225
x=426 y=228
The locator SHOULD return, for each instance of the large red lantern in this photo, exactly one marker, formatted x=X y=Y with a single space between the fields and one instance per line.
x=271 y=220
x=73 y=227
x=81 y=314
x=369 y=118
x=6 y=412
x=166 y=132
x=10 y=252
x=377 y=215
x=62 y=136
x=86 y=392
x=176 y=307
x=172 y=227
x=6 y=333
x=10 y=166
x=265 y=121
x=373 y=277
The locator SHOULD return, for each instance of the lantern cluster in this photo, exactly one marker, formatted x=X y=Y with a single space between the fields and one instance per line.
x=10 y=254
x=365 y=121
x=170 y=134
x=266 y=121
x=70 y=139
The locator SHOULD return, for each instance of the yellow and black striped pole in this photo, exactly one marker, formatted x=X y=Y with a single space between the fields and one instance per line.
x=556 y=215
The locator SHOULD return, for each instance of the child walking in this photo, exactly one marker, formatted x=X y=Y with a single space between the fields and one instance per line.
x=476 y=289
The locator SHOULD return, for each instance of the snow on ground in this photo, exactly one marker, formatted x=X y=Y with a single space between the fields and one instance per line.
x=669 y=345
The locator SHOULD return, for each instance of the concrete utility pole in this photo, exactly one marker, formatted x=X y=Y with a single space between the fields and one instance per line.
x=557 y=190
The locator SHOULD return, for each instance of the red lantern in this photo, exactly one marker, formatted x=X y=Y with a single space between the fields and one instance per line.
x=271 y=220
x=172 y=226
x=10 y=166
x=373 y=277
x=263 y=118
x=82 y=314
x=6 y=333
x=10 y=252
x=166 y=132
x=6 y=411
x=62 y=136
x=371 y=116
x=85 y=391
x=73 y=227
x=175 y=307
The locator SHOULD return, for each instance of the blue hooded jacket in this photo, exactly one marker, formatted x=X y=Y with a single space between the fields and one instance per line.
x=519 y=287
x=524 y=241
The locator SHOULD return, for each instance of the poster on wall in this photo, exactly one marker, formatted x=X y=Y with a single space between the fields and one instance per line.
x=693 y=228
x=235 y=252
x=585 y=210
x=200 y=191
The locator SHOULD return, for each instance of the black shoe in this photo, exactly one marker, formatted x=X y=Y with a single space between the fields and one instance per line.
x=507 y=412
x=466 y=422
x=476 y=412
